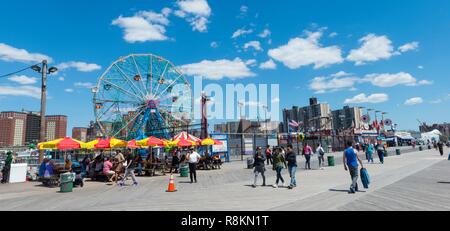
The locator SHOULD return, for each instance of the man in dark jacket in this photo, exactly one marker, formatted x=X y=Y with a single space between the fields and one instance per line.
x=7 y=167
x=291 y=158
x=440 y=145
x=259 y=166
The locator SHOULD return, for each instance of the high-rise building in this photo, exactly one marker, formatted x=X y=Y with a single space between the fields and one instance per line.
x=80 y=134
x=33 y=128
x=346 y=118
x=12 y=129
x=314 y=117
x=56 y=127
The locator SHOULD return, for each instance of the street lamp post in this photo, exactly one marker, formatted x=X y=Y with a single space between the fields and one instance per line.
x=44 y=70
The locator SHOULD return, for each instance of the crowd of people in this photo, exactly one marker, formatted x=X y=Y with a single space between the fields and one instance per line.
x=285 y=158
x=121 y=165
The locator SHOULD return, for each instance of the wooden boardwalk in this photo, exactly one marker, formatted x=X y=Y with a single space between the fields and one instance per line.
x=412 y=181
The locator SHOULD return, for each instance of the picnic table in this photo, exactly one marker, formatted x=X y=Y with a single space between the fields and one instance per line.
x=152 y=168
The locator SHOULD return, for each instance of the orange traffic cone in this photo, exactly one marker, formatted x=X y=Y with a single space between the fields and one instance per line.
x=171 y=187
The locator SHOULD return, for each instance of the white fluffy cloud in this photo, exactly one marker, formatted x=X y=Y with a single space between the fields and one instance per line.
x=345 y=81
x=253 y=44
x=83 y=85
x=144 y=26
x=300 y=52
x=335 y=82
x=80 y=66
x=23 y=79
x=409 y=47
x=68 y=90
x=413 y=101
x=268 y=65
x=390 y=80
x=362 y=98
x=241 y=32
x=219 y=69
x=196 y=12
x=29 y=91
x=12 y=54
x=373 y=48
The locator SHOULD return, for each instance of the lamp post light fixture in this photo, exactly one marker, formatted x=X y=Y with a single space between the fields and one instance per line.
x=44 y=70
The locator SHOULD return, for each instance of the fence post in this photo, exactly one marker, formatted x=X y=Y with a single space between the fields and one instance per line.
x=242 y=147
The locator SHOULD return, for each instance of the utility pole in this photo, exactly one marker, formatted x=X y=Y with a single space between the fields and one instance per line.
x=42 y=137
x=44 y=70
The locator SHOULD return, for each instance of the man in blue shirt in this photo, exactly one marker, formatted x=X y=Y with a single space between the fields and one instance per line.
x=350 y=161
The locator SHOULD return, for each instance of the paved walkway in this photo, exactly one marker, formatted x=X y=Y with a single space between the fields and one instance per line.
x=404 y=178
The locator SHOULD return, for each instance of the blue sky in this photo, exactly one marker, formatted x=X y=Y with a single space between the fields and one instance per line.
x=393 y=52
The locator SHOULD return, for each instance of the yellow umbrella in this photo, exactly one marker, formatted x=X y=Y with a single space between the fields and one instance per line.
x=210 y=141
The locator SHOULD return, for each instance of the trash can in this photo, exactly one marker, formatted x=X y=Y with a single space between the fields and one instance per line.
x=250 y=162
x=66 y=182
x=397 y=151
x=420 y=148
x=330 y=161
x=184 y=171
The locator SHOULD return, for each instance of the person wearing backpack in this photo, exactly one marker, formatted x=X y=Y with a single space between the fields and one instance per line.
x=291 y=158
x=321 y=156
x=350 y=160
x=278 y=164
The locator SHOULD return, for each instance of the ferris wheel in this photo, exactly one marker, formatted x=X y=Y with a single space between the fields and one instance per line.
x=141 y=95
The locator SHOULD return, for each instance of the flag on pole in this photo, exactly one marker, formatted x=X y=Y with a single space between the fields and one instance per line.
x=294 y=123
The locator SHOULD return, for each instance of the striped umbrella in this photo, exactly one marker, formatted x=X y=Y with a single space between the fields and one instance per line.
x=151 y=142
x=107 y=143
x=63 y=144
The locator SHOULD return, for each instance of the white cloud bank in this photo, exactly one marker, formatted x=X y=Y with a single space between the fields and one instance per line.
x=196 y=12
x=12 y=54
x=23 y=79
x=414 y=101
x=80 y=66
x=362 y=98
x=299 y=52
x=29 y=91
x=219 y=69
x=144 y=26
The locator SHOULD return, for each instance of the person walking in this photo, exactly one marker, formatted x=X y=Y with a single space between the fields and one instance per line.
x=129 y=169
x=291 y=158
x=269 y=155
x=380 y=150
x=307 y=152
x=278 y=164
x=369 y=153
x=440 y=145
x=260 y=158
x=321 y=156
x=175 y=162
x=193 y=158
x=350 y=160
x=7 y=168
